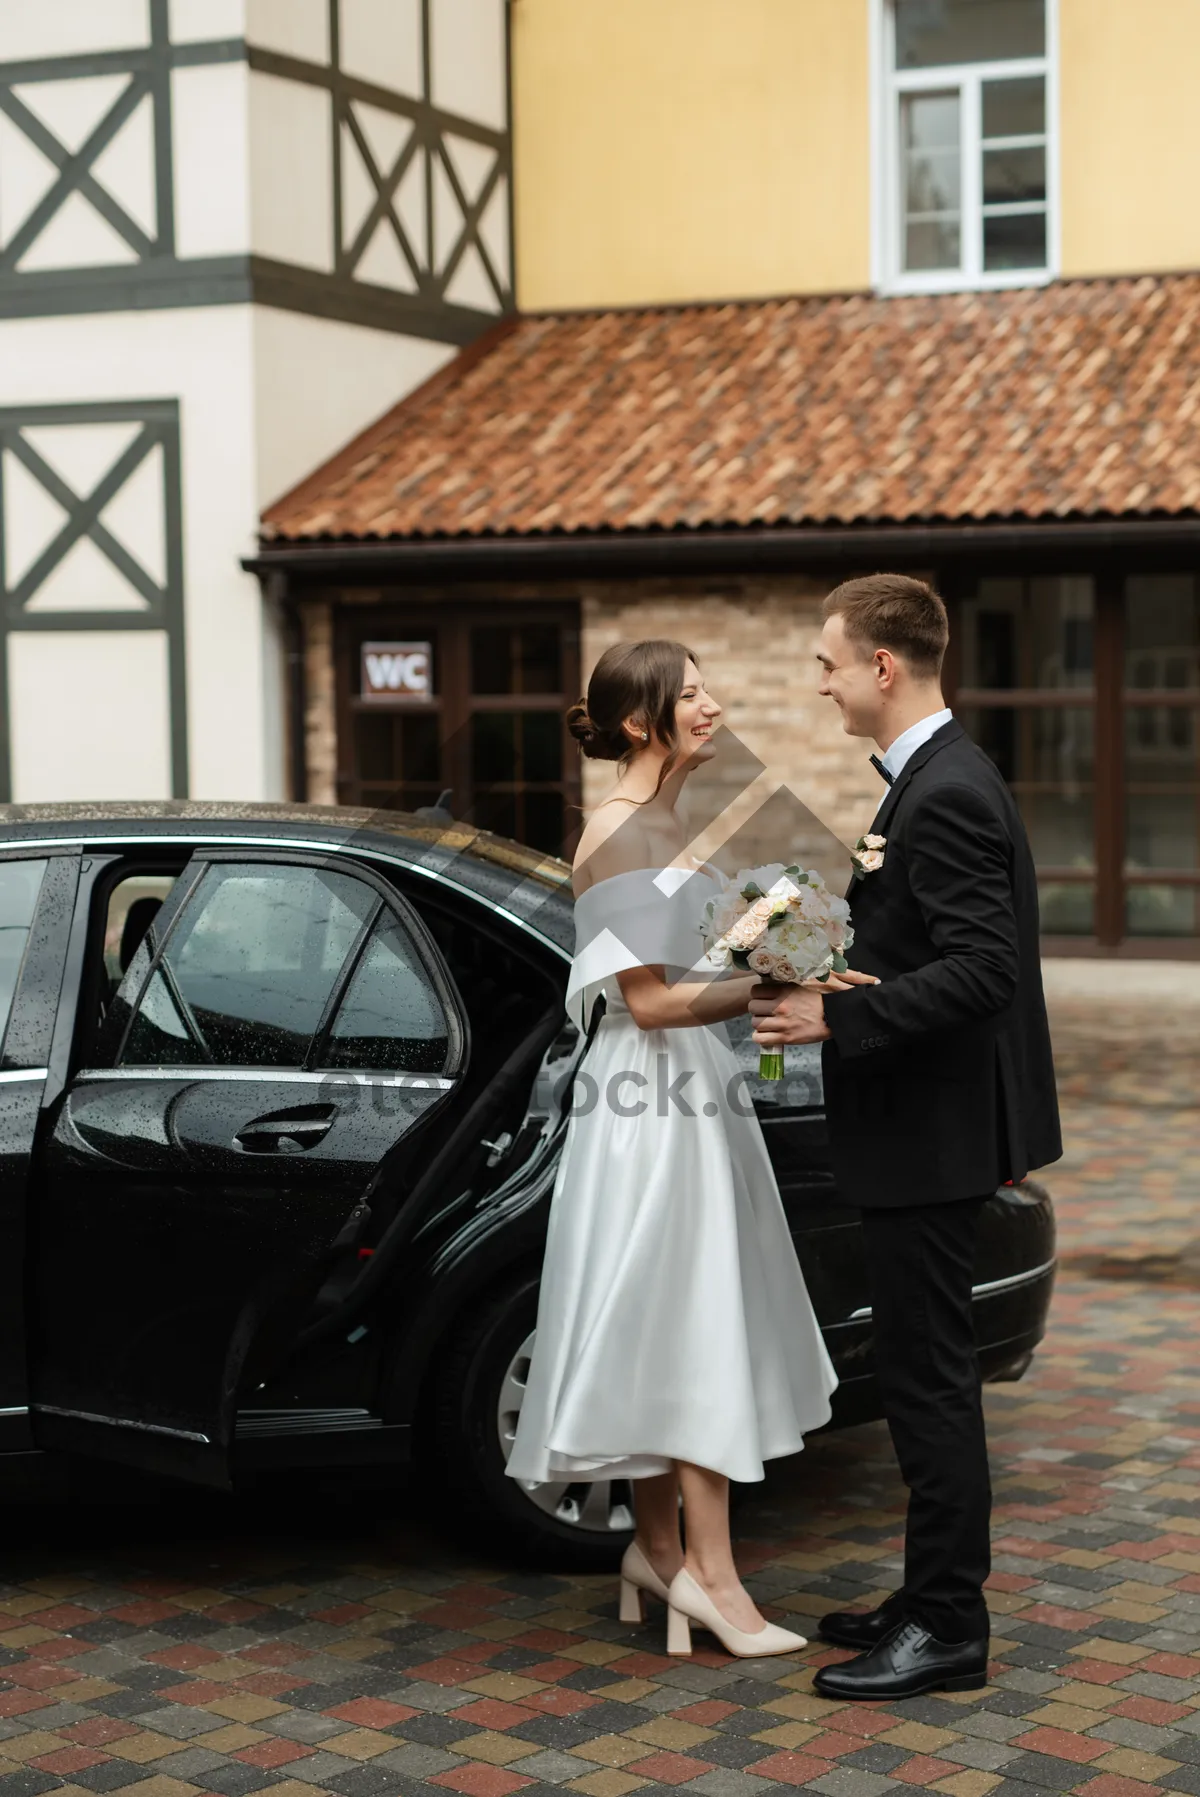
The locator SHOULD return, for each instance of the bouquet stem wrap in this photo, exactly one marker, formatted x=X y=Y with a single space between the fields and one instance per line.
x=781 y=923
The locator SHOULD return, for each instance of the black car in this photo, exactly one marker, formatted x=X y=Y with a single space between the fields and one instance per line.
x=282 y=1096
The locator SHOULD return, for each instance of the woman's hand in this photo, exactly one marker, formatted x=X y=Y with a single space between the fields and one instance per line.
x=840 y=982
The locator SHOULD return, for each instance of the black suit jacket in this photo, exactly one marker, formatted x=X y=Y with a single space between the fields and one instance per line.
x=939 y=1082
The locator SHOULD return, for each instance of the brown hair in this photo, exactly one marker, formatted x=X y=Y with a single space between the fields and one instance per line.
x=630 y=680
x=896 y=612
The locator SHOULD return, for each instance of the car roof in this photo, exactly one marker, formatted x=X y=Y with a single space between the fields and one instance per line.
x=533 y=886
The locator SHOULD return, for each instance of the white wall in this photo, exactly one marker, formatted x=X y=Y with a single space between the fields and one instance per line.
x=89 y=714
x=70 y=27
x=318 y=383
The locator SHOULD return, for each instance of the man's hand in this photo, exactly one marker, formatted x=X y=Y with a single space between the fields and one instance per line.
x=784 y=1014
x=790 y=1014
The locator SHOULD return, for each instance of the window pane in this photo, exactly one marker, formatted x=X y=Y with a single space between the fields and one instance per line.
x=932 y=180
x=1014 y=240
x=20 y=883
x=540 y=653
x=1014 y=177
x=395 y=747
x=493 y=746
x=1046 y=755
x=496 y=811
x=1162 y=790
x=1160 y=910
x=544 y=821
x=1028 y=633
x=249 y=968
x=929 y=32
x=541 y=742
x=491 y=659
x=1162 y=631
x=1015 y=108
x=1067 y=909
x=390 y=1018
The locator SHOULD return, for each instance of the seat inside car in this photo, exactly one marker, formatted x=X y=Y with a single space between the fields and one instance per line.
x=138 y=918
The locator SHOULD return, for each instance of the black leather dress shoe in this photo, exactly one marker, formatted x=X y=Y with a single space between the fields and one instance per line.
x=907 y=1663
x=862 y=1629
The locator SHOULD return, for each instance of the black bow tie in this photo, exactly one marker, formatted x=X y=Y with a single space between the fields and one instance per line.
x=882 y=771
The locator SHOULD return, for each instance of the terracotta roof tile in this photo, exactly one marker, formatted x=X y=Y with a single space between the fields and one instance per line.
x=1078 y=398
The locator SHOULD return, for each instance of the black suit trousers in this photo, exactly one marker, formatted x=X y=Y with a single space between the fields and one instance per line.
x=920 y=1261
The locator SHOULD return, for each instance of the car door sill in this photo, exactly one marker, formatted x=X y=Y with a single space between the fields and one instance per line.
x=337 y=1436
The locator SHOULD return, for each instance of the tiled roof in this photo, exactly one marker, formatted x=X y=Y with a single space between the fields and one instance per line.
x=1080 y=398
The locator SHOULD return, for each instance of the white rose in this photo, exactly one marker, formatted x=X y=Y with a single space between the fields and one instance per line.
x=874 y=842
x=870 y=861
x=762 y=961
x=786 y=973
x=746 y=932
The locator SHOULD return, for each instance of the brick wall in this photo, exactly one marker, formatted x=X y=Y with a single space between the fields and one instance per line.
x=756 y=641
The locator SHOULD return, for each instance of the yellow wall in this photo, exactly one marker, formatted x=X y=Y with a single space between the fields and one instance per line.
x=672 y=150
x=1130 y=98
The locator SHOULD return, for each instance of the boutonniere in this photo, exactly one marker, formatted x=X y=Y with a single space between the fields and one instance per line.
x=867 y=855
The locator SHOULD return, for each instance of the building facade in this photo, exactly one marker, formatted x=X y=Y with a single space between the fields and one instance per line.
x=802 y=288
x=231 y=233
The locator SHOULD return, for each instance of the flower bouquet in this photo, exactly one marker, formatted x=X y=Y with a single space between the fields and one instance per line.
x=782 y=923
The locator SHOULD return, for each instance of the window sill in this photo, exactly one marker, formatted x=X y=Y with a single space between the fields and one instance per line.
x=961 y=283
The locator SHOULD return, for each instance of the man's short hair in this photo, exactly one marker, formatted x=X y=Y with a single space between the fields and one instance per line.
x=894 y=612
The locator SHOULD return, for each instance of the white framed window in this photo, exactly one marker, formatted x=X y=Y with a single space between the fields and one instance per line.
x=966 y=144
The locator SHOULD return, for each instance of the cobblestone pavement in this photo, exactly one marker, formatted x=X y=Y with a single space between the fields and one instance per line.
x=190 y=1645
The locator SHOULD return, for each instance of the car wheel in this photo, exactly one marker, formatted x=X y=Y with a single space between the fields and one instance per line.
x=479 y=1391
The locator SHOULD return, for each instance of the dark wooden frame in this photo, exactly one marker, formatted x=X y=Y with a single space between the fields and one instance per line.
x=163 y=605
x=454 y=703
x=1110 y=700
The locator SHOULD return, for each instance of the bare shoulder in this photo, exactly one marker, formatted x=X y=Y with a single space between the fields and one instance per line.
x=616 y=839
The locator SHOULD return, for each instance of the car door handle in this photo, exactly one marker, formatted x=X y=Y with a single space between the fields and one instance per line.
x=288 y=1132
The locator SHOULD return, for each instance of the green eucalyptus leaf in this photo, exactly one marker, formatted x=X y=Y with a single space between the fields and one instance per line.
x=840 y=963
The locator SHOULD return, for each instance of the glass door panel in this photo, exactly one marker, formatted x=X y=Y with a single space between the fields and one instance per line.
x=1161 y=771
x=399 y=758
x=1047 y=756
x=1028 y=634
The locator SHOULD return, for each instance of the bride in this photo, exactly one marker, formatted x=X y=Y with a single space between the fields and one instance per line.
x=676 y=1345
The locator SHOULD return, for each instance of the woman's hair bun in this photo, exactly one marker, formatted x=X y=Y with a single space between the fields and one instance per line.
x=600 y=745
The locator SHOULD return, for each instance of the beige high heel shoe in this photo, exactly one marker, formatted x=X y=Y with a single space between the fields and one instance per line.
x=687 y=1603
x=638 y=1577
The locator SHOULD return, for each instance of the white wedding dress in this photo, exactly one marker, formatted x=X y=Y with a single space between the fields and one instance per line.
x=674 y=1322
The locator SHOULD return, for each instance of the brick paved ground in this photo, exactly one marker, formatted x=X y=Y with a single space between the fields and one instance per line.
x=189 y=1645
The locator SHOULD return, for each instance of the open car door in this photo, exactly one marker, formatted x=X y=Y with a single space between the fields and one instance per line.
x=286 y=1029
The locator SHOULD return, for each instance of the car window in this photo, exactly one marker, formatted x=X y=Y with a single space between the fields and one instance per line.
x=390 y=1017
x=249 y=967
x=20 y=883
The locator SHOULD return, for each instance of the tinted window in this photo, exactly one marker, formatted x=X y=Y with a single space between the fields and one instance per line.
x=249 y=968
x=20 y=883
x=390 y=1017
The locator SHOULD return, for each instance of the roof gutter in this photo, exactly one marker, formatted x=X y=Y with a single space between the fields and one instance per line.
x=780 y=549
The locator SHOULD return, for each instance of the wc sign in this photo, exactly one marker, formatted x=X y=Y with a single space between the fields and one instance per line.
x=397 y=671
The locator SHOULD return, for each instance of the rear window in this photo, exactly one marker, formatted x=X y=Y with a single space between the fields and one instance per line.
x=20 y=883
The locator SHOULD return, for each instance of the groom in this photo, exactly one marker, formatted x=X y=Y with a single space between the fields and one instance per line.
x=939 y=1087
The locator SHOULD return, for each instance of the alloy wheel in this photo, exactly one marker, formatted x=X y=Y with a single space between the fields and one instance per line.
x=599 y=1507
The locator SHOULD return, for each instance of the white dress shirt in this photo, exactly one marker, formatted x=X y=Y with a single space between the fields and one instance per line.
x=910 y=740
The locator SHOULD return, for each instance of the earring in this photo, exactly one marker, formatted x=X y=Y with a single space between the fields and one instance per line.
x=645 y=736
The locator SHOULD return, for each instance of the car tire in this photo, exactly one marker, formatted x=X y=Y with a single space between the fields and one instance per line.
x=464 y=1433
